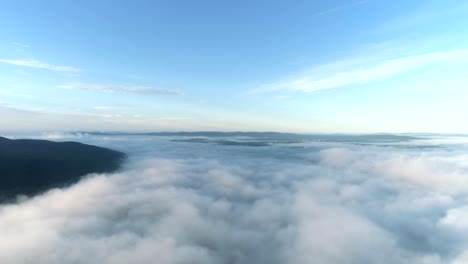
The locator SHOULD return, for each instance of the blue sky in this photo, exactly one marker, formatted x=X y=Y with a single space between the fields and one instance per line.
x=299 y=66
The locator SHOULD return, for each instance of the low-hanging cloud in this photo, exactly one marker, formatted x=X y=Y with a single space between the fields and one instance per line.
x=176 y=203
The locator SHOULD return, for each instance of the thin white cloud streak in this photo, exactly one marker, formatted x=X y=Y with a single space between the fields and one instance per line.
x=360 y=72
x=424 y=16
x=141 y=90
x=21 y=44
x=341 y=8
x=103 y=108
x=8 y=108
x=61 y=136
x=40 y=65
x=10 y=93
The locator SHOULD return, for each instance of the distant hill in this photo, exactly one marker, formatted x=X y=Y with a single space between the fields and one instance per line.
x=273 y=136
x=32 y=166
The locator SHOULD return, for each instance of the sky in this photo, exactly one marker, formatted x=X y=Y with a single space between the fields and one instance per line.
x=298 y=66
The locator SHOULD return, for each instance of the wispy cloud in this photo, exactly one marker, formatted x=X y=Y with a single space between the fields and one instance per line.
x=340 y=7
x=103 y=108
x=20 y=44
x=40 y=65
x=425 y=15
x=344 y=73
x=142 y=90
x=10 y=93
x=9 y=110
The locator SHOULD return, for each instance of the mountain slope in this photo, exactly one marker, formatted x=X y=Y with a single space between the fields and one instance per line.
x=31 y=166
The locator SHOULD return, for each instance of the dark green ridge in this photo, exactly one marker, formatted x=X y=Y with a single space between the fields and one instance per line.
x=32 y=166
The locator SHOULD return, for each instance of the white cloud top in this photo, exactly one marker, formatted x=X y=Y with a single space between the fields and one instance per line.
x=348 y=204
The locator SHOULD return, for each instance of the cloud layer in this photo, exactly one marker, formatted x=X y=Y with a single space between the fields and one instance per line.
x=177 y=203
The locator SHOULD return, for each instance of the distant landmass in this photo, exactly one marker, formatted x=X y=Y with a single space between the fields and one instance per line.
x=264 y=139
x=31 y=166
x=273 y=136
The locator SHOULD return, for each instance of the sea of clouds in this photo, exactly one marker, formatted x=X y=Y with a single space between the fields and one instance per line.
x=317 y=202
